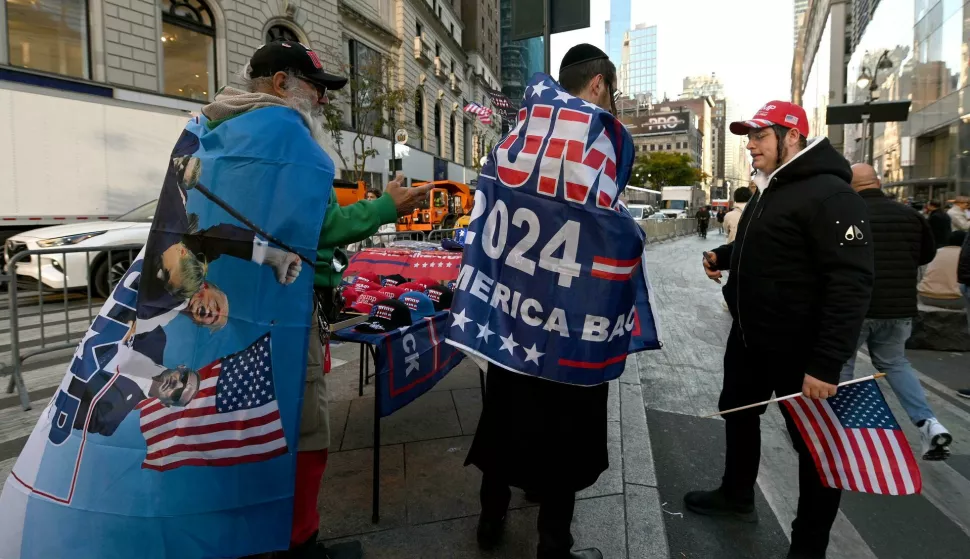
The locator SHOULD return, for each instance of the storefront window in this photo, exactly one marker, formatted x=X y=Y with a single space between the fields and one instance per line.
x=188 y=48
x=49 y=35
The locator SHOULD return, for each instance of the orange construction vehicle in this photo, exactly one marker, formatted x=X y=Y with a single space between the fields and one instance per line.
x=446 y=203
x=349 y=192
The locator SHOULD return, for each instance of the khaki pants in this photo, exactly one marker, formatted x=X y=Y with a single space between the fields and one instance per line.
x=315 y=417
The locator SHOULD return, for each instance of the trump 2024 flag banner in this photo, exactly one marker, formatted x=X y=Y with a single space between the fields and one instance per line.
x=174 y=431
x=552 y=283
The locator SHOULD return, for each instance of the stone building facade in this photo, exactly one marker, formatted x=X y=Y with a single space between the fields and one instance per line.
x=172 y=56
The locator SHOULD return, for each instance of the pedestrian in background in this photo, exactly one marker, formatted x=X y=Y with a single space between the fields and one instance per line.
x=940 y=223
x=703 y=217
x=958 y=214
x=733 y=217
x=799 y=287
x=963 y=276
x=720 y=220
x=939 y=286
x=902 y=242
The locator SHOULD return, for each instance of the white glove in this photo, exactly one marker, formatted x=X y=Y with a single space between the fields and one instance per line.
x=287 y=264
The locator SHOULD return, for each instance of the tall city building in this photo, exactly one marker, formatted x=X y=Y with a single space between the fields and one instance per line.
x=520 y=59
x=801 y=6
x=638 y=66
x=616 y=28
x=700 y=86
x=481 y=37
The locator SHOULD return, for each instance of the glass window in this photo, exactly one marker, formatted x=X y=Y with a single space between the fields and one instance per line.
x=188 y=49
x=366 y=65
x=438 y=198
x=451 y=138
x=419 y=113
x=419 y=31
x=437 y=130
x=49 y=35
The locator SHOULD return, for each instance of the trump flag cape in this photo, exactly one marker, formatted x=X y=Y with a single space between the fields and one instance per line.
x=174 y=431
x=553 y=282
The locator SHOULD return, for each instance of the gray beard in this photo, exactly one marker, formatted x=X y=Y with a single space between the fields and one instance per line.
x=312 y=117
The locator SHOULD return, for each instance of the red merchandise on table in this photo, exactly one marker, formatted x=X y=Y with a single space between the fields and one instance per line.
x=439 y=265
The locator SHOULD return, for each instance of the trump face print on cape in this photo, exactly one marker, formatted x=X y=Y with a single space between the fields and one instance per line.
x=553 y=282
x=174 y=431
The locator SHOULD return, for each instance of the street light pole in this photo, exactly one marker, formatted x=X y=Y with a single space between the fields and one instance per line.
x=868 y=127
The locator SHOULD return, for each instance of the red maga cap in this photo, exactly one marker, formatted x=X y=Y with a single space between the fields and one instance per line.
x=781 y=113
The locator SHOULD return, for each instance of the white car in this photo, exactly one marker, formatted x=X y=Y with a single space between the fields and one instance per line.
x=74 y=270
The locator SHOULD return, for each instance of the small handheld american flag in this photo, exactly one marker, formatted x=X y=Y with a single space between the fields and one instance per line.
x=856 y=442
x=233 y=419
x=484 y=113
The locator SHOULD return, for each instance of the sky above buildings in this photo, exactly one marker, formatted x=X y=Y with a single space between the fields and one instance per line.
x=747 y=43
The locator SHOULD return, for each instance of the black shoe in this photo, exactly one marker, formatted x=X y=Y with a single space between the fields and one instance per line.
x=490 y=532
x=317 y=550
x=964 y=393
x=716 y=503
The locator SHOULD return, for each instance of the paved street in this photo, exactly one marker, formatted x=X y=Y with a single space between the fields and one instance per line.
x=660 y=447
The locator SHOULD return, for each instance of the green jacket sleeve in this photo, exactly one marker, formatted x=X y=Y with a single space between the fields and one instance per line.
x=356 y=222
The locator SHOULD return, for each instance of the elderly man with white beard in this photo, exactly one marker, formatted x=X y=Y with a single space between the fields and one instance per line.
x=289 y=74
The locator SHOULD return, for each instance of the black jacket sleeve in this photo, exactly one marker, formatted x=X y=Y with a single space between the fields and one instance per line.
x=723 y=254
x=844 y=257
x=928 y=243
x=963 y=267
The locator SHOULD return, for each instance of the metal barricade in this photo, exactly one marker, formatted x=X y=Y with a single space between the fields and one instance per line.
x=38 y=311
x=438 y=235
x=659 y=231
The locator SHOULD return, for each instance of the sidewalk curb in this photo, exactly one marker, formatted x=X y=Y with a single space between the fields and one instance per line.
x=646 y=536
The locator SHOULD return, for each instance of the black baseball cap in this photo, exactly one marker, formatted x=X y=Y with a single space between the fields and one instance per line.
x=441 y=296
x=386 y=316
x=291 y=55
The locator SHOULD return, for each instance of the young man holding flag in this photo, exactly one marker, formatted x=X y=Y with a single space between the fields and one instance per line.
x=549 y=285
x=801 y=277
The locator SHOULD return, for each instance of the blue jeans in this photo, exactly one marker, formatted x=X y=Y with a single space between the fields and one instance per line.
x=886 y=340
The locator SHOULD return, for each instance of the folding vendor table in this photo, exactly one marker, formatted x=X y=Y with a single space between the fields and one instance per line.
x=386 y=350
x=436 y=360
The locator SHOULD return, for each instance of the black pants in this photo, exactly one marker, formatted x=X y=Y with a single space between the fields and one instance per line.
x=555 y=515
x=751 y=376
x=702 y=228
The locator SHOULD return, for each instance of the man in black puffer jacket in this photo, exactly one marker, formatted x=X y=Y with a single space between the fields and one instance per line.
x=963 y=276
x=903 y=242
x=801 y=277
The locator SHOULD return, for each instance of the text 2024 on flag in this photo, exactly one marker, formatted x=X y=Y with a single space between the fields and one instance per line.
x=552 y=282
x=856 y=442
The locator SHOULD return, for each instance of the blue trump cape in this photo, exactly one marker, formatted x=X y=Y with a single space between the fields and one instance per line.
x=553 y=281
x=174 y=432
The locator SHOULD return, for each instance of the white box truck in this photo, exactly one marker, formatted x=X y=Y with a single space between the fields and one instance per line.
x=69 y=158
x=681 y=201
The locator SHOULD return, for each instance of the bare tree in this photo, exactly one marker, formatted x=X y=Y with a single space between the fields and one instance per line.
x=364 y=107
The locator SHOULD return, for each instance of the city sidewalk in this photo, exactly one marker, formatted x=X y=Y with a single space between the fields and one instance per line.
x=429 y=500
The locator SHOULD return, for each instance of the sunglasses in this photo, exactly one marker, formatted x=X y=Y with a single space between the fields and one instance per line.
x=177 y=393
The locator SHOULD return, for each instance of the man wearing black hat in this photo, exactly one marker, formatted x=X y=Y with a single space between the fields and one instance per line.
x=289 y=74
x=547 y=438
